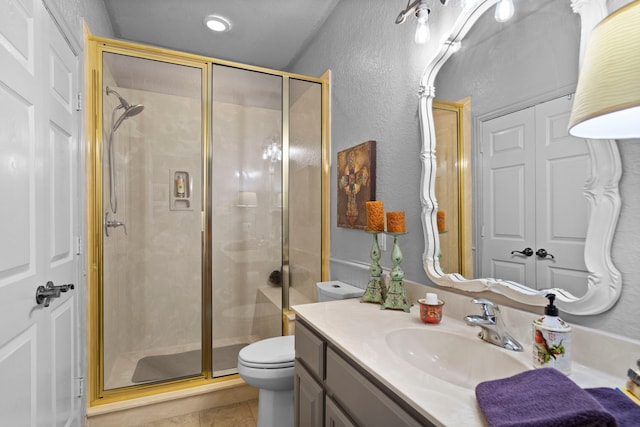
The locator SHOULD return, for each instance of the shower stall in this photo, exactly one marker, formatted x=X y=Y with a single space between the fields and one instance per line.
x=207 y=215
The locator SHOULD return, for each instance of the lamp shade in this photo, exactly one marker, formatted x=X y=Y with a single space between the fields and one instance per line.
x=607 y=100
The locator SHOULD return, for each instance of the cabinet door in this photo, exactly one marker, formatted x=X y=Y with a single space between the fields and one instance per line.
x=368 y=405
x=308 y=398
x=334 y=417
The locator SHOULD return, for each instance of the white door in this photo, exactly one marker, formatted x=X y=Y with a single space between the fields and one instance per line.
x=38 y=219
x=533 y=202
x=562 y=211
x=508 y=182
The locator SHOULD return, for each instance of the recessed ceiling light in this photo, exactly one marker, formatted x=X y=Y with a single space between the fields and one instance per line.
x=217 y=23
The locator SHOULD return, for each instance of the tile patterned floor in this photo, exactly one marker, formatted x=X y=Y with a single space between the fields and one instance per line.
x=243 y=414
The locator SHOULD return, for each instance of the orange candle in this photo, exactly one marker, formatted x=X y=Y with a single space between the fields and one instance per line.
x=395 y=222
x=440 y=221
x=375 y=216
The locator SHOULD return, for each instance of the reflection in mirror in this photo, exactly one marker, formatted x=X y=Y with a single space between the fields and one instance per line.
x=453 y=185
x=510 y=71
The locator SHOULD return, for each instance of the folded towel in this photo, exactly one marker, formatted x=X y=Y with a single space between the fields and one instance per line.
x=625 y=411
x=540 y=398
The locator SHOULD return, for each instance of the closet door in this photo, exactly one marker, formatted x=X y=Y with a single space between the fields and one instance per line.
x=533 y=178
x=508 y=199
x=562 y=165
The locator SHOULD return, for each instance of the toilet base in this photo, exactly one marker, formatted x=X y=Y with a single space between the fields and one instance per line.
x=275 y=408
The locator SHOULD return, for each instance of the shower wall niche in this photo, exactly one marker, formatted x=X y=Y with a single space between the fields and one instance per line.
x=207 y=214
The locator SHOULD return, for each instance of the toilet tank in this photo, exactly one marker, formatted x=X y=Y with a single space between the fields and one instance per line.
x=335 y=290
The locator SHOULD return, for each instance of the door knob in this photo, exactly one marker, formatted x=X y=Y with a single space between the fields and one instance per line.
x=44 y=294
x=542 y=253
x=525 y=252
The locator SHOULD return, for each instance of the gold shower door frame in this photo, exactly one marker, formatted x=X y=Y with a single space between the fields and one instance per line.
x=95 y=47
x=454 y=156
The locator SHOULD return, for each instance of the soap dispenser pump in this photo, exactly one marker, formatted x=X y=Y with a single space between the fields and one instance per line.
x=552 y=340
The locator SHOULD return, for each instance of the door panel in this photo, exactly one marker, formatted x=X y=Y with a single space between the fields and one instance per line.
x=18 y=371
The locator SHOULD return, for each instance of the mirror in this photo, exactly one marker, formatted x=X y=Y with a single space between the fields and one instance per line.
x=602 y=286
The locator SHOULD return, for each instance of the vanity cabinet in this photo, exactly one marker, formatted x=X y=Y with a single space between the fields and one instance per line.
x=332 y=390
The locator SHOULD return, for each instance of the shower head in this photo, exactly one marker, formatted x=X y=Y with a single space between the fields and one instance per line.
x=129 y=110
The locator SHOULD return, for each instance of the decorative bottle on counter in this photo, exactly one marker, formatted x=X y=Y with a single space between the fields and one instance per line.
x=180 y=186
x=552 y=340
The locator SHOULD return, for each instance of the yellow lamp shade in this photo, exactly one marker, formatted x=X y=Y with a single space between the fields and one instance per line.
x=607 y=100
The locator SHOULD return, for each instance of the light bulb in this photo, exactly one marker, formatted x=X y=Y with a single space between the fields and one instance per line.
x=217 y=23
x=504 y=10
x=423 y=34
x=468 y=4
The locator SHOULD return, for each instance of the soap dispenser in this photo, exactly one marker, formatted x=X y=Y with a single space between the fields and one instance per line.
x=552 y=340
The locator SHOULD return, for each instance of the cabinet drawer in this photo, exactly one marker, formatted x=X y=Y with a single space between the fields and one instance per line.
x=363 y=401
x=310 y=349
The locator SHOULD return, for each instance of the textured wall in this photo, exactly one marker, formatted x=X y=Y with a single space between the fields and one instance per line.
x=376 y=70
x=93 y=12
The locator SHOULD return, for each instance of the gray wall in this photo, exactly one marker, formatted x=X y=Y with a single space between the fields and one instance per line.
x=93 y=12
x=376 y=70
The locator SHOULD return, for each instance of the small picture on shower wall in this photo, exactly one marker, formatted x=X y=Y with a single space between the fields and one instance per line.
x=356 y=184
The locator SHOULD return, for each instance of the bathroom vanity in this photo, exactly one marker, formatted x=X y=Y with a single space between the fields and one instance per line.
x=357 y=365
x=329 y=385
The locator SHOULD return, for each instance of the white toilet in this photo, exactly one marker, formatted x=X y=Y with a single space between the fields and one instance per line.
x=269 y=364
x=335 y=290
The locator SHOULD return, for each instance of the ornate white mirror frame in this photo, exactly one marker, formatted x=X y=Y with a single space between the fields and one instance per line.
x=604 y=283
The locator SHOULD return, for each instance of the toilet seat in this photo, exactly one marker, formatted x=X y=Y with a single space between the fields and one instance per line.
x=270 y=353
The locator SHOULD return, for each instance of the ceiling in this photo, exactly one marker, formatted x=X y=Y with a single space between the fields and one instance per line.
x=265 y=33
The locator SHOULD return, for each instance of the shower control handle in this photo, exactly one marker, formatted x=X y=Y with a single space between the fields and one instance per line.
x=108 y=223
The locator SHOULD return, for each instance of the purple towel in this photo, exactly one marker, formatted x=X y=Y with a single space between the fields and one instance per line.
x=540 y=398
x=625 y=411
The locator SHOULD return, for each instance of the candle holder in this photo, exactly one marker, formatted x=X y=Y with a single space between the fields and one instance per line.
x=376 y=290
x=397 y=298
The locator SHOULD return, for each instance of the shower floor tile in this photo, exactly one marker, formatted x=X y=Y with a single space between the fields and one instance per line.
x=125 y=365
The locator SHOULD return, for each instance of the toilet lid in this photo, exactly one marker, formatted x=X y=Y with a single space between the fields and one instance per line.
x=270 y=353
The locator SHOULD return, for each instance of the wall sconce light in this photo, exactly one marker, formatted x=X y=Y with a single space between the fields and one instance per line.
x=504 y=12
x=420 y=9
x=607 y=100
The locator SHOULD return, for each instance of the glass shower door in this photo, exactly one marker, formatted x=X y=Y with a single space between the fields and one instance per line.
x=246 y=195
x=152 y=163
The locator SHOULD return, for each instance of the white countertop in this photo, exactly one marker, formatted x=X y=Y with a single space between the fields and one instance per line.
x=360 y=329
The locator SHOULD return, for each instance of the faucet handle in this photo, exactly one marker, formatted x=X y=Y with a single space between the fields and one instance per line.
x=489 y=308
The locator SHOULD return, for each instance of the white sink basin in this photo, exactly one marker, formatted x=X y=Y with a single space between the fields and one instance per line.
x=457 y=359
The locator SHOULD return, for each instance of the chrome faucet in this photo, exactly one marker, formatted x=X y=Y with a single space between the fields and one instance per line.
x=492 y=326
